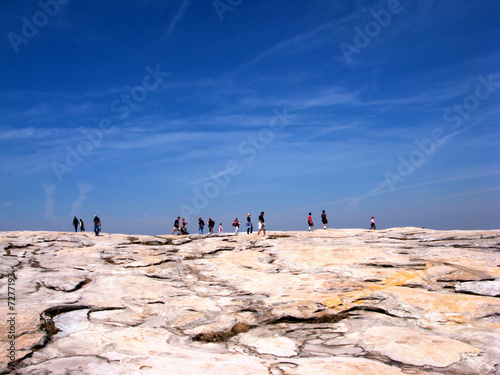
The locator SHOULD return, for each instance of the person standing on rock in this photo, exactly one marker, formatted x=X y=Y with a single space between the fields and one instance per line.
x=236 y=225
x=249 y=225
x=373 y=224
x=211 y=225
x=97 y=225
x=221 y=230
x=262 y=225
x=183 y=227
x=201 y=225
x=310 y=222
x=324 y=219
x=82 y=227
x=176 y=225
x=75 y=224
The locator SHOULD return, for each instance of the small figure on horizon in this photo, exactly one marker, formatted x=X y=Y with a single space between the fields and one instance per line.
x=310 y=222
x=211 y=225
x=75 y=224
x=373 y=224
x=262 y=225
x=183 y=227
x=249 y=225
x=97 y=225
x=324 y=219
x=82 y=227
x=236 y=225
x=201 y=225
x=176 y=225
x=221 y=230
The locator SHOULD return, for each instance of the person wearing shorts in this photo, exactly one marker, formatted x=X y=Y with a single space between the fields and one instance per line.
x=176 y=225
x=324 y=219
x=262 y=225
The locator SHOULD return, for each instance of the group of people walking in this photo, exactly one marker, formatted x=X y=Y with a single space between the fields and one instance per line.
x=261 y=224
x=79 y=224
x=180 y=226
x=324 y=221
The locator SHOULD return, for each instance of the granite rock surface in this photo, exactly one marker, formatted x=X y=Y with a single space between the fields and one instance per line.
x=347 y=301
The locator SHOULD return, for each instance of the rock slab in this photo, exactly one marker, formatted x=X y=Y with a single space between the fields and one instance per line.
x=348 y=301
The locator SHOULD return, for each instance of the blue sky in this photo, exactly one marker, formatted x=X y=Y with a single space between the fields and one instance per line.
x=140 y=111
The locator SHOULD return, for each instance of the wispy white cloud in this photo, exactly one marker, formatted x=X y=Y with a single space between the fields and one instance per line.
x=10 y=134
x=84 y=189
x=185 y=4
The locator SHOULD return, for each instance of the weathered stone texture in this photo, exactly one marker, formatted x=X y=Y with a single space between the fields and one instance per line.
x=395 y=301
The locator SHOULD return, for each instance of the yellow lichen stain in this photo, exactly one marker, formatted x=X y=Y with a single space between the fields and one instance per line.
x=401 y=278
x=456 y=304
x=346 y=299
x=454 y=309
x=333 y=302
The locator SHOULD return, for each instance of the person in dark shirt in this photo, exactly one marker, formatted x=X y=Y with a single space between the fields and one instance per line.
x=262 y=225
x=75 y=224
x=324 y=219
x=249 y=225
x=211 y=225
x=201 y=225
x=82 y=227
x=97 y=225
x=176 y=225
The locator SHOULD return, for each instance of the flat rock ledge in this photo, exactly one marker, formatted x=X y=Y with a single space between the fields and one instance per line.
x=347 y=301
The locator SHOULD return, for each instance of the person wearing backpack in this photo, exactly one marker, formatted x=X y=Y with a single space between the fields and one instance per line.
x=201 y=225
x=97 y=225
x=236 y=225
